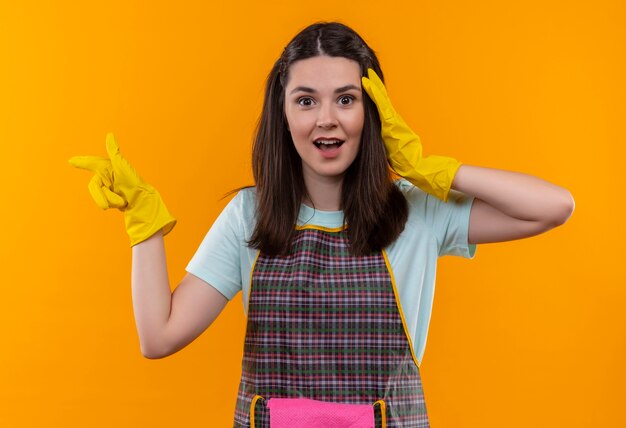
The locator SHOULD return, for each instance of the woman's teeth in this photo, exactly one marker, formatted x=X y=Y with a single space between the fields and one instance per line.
x=327 y=144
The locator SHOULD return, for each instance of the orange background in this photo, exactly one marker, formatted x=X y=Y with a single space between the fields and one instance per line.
x=530 y=333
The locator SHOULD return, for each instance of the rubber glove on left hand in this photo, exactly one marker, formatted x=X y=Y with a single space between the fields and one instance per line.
x=432 y=174
x=116 y=184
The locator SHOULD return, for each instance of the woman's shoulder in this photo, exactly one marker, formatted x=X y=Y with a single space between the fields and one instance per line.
x=415 y=195
x=248 y=192
x=242 y=205
x=239 y=212
x=411 y=192
x=406 y=186
x=244 y=196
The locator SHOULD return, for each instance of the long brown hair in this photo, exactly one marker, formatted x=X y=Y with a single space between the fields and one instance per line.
x=375 y=211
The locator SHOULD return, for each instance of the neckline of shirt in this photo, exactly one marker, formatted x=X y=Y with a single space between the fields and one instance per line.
x=310 y=216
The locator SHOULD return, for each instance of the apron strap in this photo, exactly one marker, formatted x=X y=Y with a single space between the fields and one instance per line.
x=383 y=411
x=252 y=406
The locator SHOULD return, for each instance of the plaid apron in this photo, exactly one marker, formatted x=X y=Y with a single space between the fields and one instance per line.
x=324 y=324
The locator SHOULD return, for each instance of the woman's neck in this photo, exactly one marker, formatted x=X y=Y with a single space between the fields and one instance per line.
x=324 y=195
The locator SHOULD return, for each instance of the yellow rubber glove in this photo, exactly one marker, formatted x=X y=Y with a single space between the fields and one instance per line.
x=432 y=174
x=116 y=184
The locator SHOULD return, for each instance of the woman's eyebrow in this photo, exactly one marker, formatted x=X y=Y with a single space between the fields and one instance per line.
x=312 y=91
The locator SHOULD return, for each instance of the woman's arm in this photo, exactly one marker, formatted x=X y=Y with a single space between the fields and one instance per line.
x=166 y=321
x=511 y=205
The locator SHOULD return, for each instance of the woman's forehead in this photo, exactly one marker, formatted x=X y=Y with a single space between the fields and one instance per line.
x=324 y=72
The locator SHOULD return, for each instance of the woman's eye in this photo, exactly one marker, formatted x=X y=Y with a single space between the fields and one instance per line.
x=346 y=100
x=305 y=102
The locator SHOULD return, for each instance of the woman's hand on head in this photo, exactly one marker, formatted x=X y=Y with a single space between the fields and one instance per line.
x=432 y=174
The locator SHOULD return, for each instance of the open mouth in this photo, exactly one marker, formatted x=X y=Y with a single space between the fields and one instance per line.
x=328 y=144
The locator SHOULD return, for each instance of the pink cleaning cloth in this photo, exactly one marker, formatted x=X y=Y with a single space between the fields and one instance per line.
x=306 y=413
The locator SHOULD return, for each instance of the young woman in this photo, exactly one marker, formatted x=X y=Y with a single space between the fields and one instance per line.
x=335 y=259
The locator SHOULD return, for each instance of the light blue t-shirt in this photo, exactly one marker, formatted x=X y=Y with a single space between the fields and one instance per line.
x=433 y=229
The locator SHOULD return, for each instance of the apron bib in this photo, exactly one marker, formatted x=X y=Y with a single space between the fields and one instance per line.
x=325 y=325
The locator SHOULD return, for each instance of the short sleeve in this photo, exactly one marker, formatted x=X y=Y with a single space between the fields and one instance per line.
x=217 y=260
x=447 y=221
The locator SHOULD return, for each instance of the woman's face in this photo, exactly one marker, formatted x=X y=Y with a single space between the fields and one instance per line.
x=325 y=113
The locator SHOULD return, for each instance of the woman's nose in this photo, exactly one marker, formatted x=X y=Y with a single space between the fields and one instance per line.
x=326 y=117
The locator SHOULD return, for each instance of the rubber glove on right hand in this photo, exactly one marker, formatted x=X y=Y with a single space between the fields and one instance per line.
x=432 y=174
x=116 y=184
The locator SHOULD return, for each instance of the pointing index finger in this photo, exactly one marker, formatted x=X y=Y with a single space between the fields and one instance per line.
x=117 y=160
x=113 y=149
x=121 y=167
